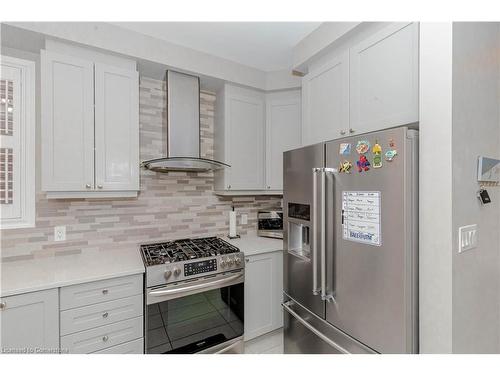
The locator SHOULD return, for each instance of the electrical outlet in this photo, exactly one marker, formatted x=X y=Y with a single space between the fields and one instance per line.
x=467 y=238
x=244 y=219
x=60 y=233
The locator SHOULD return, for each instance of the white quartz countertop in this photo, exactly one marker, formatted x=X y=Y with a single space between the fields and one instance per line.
x=23 y=276
x=251 y=244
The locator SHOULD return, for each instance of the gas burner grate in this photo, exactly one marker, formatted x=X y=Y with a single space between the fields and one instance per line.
x=185 y=249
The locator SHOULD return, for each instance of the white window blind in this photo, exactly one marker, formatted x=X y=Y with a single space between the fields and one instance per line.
x=17 y=148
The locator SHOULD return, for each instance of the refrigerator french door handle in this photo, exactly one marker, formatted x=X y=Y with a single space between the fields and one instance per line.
x=314 y=252
x=324 y=295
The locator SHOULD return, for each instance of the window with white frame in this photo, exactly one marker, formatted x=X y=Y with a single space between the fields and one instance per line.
x=17 y=146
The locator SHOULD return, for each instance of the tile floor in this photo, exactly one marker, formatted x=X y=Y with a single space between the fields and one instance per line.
x=270 y=343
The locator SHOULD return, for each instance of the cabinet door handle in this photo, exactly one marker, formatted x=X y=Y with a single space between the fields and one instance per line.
x=105 y=338
x=105 y=315
x=3 y=305
x=99 y=186
x=247 y=260
x=342 y=132
x=88 y=186
x=352 y=131
x=105 y=291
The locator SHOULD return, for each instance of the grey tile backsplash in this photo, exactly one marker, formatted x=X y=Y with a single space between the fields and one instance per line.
x=169 y=206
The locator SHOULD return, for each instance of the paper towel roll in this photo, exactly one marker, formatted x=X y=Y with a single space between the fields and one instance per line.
x=232 y=223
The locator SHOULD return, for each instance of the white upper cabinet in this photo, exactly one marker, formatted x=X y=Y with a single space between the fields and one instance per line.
x=245 y=121
x=369 y=85
x=325 y=101
x=116 y=128
x=90 y=128
x=252 y=130
x=67 y=123
x=239 y=139
x=283 y=133
x=384 y=79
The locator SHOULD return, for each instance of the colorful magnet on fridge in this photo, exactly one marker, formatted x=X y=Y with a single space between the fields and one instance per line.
x=362 y=147
x=391 y=143
x=390 y=155
x=345 y=166
x=377 y=160
x=345 y=149
x=377 y=155
x=363 y=164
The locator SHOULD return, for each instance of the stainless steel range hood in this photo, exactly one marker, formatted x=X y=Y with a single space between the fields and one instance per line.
x=183 y=129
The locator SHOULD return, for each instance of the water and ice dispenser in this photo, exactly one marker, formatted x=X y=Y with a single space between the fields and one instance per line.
x=299 y=234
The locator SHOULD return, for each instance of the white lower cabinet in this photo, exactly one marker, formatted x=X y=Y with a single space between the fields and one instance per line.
x=99 y=314
x=104 y=316
x=93 y=340
x=263 y=293
x=29 y=323
x=131 y=347
x=100 y=291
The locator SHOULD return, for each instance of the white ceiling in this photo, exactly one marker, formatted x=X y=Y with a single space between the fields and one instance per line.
x=267 y=46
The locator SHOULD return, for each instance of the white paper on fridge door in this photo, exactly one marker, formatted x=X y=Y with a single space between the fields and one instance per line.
x=362 y=217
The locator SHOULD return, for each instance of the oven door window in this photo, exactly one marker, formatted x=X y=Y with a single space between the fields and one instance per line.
x=196 y=322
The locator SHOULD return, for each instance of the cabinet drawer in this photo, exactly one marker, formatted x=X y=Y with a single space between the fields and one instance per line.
x=103 y=337
x=131 y=347
x=100 y=291
x=92 y=316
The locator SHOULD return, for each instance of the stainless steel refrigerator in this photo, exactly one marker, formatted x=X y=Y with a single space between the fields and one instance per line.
x=351 y=251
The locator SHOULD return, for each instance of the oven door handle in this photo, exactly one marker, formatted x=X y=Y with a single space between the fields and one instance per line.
x=203 y=285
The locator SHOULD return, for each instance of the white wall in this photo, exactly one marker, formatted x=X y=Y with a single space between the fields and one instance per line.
x=476 y=102
x=459 y=120
x=435 y=247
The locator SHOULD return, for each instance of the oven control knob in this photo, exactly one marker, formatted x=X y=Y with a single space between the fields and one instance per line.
x=167 y=274
x=177 y=271
x=237 y=261
x=231 y=262
x=223 y=263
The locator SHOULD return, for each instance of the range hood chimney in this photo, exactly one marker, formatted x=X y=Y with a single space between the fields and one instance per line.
x=183 y=128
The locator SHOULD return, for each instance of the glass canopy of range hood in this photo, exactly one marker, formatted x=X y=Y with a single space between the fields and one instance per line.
x=183 y=164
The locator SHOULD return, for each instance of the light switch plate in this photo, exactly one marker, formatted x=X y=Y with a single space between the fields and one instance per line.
x=60 y=233
x=244 y=219
x=467 y=238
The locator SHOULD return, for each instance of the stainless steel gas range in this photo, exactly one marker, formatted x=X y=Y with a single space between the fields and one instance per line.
x=194 y=296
